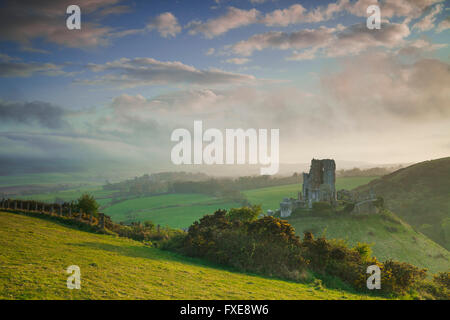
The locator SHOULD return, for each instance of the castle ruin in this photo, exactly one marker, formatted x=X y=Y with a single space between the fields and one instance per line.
x=320 y=183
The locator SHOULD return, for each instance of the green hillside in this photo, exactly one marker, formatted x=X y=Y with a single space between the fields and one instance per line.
x=420 y=195
x=390 y=239
x=35 y=254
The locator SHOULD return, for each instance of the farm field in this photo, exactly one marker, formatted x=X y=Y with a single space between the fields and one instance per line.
x=173 y=210
x=35 y=255
x=102 y=196
x=46 y=179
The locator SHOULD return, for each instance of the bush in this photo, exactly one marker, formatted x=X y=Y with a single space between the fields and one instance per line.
x=400 y=277
x=267 y=246
x=443 y=279
x=245 y=213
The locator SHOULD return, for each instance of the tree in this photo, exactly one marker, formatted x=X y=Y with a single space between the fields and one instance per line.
x=88 y=204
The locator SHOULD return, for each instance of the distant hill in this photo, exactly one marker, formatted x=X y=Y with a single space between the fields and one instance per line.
x=419 y=194
x=35 y=254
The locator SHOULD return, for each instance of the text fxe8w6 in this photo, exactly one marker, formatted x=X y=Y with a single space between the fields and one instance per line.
x=235 y=140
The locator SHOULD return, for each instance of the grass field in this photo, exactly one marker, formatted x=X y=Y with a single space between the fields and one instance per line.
x=35 y=254
x=174 y=210
x=389 y=240
x=102 y=196
x=271 y=197
x=50 y=179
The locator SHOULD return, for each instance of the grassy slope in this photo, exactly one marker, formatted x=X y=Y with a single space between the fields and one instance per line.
x=271 y=197
x=35 y=254
x=420 y=195
x=404 y=244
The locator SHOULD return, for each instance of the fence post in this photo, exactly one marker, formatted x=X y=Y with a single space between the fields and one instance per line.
x=21 y=205
x=28 y=205
x=101 y=220
x=15 y=205
x=70 y=212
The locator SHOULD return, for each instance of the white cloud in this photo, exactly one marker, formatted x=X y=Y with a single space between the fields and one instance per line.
x=24 y=21
x=166 y=24
x=147 y=71
x=444 y=25
x=330 y=42
x=237 y=60
x=234 y=18
x=281 y=40
x=427 y=23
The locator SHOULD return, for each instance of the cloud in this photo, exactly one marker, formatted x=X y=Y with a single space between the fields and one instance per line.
x=147 y=71
x=298 y=14
x=283 y=40
x=329 y=42
x=237 y=60
x=117 y=10
x=427 y=23
x=358 y=38
x=392 y=8
x=166 y=24
x=14 y=67
x=33 y=113
x=419 y=47
x=210 y=51
x=24 y=21
x=415 y=91
x=443 y=25
x=234 y=18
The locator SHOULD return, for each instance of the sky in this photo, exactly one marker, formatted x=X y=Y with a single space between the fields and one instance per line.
x=114 y=91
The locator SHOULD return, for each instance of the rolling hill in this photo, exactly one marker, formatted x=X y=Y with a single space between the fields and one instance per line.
x=420 y=195
x=35 y=254
x=390 y=237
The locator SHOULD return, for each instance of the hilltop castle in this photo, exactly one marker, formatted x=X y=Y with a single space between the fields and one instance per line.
x=318 y=185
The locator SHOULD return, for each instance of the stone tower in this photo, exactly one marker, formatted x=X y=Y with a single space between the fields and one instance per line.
x=320 y=183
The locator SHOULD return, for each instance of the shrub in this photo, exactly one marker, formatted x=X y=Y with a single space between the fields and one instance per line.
x=267 y=246
x=400 y=277
x=87 y=204
x=443 y=279
x=245 y=213
x=364 y=250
